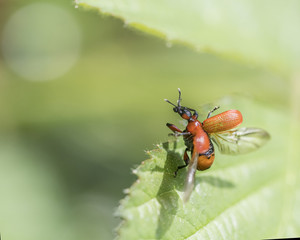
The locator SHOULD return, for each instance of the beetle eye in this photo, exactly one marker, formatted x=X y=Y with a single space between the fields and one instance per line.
x=175 y=109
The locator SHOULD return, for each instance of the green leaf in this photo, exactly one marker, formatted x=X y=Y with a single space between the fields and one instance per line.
x=239 y=197
x=262 y=32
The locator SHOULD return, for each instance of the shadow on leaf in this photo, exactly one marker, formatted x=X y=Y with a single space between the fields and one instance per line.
x=214 y=181
x=166 y=196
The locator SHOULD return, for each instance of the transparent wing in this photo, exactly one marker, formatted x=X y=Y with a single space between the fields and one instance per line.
x=190 y=177
x=241 y=140
x=225 y=103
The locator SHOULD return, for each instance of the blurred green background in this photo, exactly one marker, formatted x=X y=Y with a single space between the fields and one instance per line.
x=81 y=99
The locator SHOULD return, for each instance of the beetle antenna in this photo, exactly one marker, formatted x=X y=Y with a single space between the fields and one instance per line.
x=179 y=98
x=170 y=102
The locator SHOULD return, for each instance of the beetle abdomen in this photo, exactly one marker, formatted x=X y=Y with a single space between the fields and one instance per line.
x=205 y=162
x=223 y=121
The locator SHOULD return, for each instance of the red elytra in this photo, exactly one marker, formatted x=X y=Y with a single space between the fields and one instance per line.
x=223 y=121
x=219 y=128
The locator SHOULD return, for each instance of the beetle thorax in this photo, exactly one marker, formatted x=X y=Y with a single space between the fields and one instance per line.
x=194 y=127
x=200 y=140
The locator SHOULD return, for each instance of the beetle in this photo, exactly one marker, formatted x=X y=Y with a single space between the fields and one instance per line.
x=220 y=129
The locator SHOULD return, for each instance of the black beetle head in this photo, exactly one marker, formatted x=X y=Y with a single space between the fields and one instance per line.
x=184 y=112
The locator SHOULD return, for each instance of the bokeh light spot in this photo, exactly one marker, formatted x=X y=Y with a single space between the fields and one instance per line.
x=41 y=42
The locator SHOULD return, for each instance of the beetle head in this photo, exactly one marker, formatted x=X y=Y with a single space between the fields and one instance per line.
x=184 y=112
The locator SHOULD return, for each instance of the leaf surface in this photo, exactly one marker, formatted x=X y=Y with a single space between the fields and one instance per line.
x=263 y=32
x=239 y=197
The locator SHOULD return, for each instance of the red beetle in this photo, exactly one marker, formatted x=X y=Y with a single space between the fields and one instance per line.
x=198 y=139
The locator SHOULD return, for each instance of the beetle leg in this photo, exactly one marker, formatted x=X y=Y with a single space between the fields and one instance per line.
x=177 y=131
x=173 y=128
x=186 y=160
x=177 y=134
x=214 y=109
x=195 y=114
